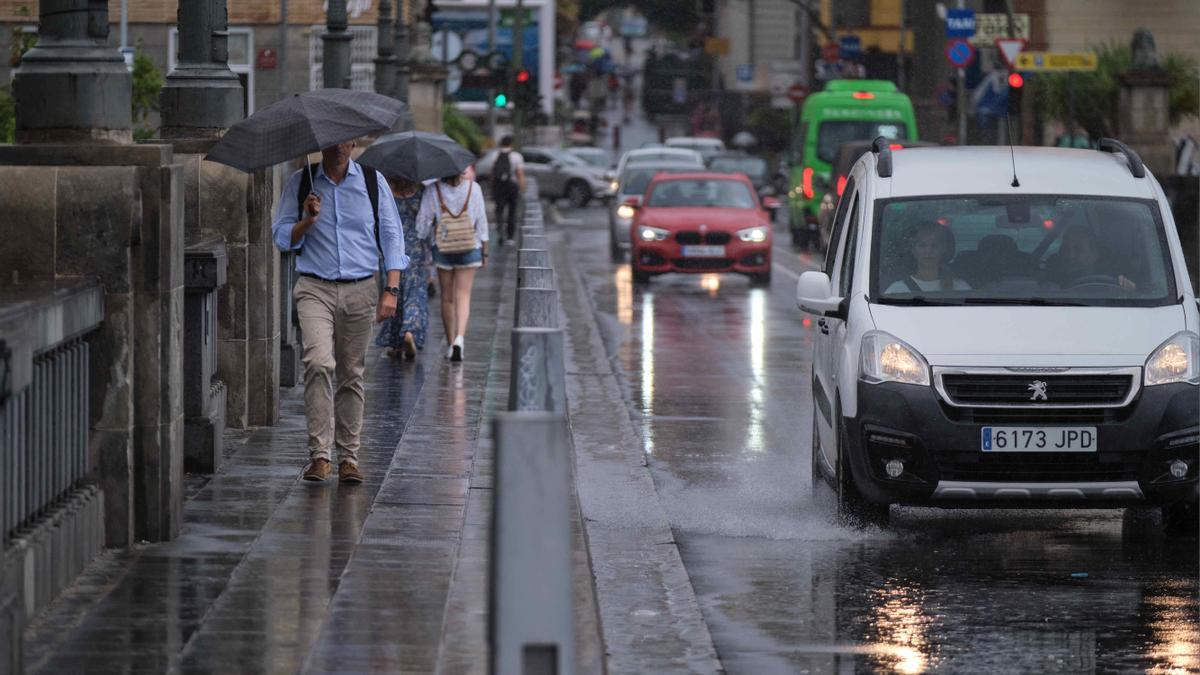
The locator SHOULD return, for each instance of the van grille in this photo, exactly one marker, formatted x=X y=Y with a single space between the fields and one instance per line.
x=995 y=389
x=1039 y=467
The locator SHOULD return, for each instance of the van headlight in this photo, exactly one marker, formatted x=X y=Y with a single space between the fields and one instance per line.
x=754 y=235
x=614 y=185
x=647 y=233
x=1174 y=361
x=886 y=358
x=625 y=212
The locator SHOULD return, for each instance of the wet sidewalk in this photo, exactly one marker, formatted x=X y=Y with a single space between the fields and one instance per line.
x=272 y=574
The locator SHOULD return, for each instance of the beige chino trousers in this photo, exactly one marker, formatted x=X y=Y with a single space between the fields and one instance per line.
x=335 y=325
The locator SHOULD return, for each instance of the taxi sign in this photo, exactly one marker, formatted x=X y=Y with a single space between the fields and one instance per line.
x=1056 y=61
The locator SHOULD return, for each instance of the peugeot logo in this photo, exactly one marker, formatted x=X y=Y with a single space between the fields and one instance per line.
x=1039 y=391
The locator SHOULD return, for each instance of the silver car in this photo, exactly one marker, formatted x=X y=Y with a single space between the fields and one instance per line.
x=558 y=173
x=631 y=185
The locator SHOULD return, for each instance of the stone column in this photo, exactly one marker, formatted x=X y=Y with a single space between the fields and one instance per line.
x=336 y=41
x=71 y=86
x=201 y=97
x=1144 y=106
x=403 y=55
x=385 y=63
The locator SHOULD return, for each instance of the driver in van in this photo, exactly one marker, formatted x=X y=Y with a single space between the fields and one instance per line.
x=1081 y=256
x=932 y=250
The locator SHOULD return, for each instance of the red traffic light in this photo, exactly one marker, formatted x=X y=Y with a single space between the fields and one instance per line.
x=1015 y=80
x=522 y=76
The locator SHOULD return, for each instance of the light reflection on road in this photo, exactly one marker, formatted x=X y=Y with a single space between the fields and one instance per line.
x=647 y=367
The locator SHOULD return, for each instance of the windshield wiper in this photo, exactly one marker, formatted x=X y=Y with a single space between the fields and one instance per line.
x=917 y=300
x=1036 y=302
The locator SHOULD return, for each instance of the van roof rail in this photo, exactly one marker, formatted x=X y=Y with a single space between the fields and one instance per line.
x=882 y=147
x=1136 y=167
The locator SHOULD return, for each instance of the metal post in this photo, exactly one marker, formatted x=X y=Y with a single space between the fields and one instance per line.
x=535 y=277
x=900 y=77
x=518 y=62
x=124 y=25
x=531 y=617
x=533 y=257
x=537 y=308
x=202 y=96
x=283 y=47
x=491 y=107
x=403 y=49
x=336 y=41
x=385 y=62
x=537 y=380
x=962 y=99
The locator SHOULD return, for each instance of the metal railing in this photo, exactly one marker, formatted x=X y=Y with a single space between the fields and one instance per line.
x=531 y=614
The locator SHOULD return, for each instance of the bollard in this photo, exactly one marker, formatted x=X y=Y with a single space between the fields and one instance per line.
x=535 y=277
x=531 y=616
x=537 y=380
x=533 y=257
x=537 y=308
x=534 y=241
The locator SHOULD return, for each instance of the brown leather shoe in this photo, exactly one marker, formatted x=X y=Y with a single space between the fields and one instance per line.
x=318 y=470
x=349 y=473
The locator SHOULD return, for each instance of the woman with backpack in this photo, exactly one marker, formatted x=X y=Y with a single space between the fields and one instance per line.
x=404 y=334
x=454 y=218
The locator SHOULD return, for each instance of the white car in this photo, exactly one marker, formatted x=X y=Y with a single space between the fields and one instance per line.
x=658 y=154
x=986 y=339
x=559 y=173
x=707 y=147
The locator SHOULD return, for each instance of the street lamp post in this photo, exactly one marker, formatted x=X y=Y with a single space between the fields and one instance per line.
x=201 y=96
x=385 y=62
x=403 y=53
x=336 y=39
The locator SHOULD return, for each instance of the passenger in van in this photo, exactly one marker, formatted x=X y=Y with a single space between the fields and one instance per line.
x=932 y=250
x=1081 y=256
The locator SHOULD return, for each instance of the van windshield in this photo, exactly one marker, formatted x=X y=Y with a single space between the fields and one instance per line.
x=1044 y=250
x=831 y=135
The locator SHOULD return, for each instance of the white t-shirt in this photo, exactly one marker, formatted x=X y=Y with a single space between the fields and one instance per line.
x=935 y=285
x=454 y=197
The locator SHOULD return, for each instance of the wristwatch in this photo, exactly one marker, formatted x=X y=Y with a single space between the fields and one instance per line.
x=394 y=290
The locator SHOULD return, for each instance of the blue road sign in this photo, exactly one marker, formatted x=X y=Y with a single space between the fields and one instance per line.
x=960 y=23
x=745 y=72
x=849 y=47
x=960 y=53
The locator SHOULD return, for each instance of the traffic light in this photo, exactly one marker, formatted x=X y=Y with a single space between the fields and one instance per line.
x=500 y=100
x=1015 y=80
x=523 y=76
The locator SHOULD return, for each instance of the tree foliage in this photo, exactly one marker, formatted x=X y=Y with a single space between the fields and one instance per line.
x=771 y=126
x=8 y=117
x=461 y=128
x=147 y=84
x=1095 y=93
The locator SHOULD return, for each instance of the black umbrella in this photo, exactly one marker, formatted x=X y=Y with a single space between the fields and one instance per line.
x=417 y=156
x=304 y=123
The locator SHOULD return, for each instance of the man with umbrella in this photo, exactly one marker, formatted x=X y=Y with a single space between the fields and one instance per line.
x=330 y=215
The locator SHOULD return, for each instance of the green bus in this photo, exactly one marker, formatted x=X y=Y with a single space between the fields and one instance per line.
x=846 y=110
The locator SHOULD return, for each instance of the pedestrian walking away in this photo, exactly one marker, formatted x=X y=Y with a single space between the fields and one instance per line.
x=454 y=217
x=508 y=182
x=336 y=224
x=404 y=334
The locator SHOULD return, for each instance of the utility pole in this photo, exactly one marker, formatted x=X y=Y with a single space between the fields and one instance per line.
x=402 y=47
x=901 y=84
x=962 y=98
x=336 y=41
x=518 y=62
x=491 y=105
x=283 y=47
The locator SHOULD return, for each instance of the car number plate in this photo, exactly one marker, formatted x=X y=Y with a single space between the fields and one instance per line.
x=1038 y=439
x=704 y=251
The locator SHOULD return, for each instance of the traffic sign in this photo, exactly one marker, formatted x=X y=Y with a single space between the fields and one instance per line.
x=1056 y=61
x=849 y=47
x=1009 y=48
x=960 y=23
x=990 y=27
x=960 y=53
x=797 y=92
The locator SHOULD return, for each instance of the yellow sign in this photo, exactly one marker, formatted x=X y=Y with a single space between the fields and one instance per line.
x=715 y=46
x=1060 y=61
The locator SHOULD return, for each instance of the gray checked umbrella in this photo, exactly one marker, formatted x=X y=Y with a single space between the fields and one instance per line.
x=304 y=123
x=417 y=156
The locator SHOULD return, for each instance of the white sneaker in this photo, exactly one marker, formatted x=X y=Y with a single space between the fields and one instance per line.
x=456 y=349
x=450 y=352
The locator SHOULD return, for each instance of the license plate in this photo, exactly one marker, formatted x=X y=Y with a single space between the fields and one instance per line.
x=704 y=251
x=1038 y=439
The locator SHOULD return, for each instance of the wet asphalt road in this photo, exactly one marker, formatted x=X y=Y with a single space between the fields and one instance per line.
x=716 y=378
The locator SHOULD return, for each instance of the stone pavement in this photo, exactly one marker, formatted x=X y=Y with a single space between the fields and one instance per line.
x=272 y=574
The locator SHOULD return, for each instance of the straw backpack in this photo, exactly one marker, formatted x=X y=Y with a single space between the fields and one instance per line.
x=455 y=231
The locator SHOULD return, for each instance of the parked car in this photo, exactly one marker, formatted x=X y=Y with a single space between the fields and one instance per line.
x=701 y=222
x=559 y=174
x=847 y=155
x=707 y=147
x=598 y=158
x=630 y=186
x=991 y=339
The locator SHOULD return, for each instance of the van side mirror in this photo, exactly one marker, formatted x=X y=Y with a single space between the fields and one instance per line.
x=814 y=295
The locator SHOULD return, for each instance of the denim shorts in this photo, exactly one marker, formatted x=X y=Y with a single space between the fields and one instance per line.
x=449 y=261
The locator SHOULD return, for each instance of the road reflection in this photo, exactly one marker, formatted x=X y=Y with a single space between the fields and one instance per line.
x=647 y=370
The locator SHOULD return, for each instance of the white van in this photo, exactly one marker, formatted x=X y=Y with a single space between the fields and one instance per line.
x=1005 y=330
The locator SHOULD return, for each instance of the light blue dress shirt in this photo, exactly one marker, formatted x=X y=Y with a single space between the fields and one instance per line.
x=341 y=244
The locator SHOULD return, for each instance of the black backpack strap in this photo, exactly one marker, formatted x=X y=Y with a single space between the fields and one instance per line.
x=303 y=191
x=371 y=177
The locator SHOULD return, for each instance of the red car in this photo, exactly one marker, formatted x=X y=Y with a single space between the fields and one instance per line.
x=701 y=222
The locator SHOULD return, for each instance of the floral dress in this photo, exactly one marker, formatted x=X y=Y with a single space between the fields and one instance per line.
x=412 y=308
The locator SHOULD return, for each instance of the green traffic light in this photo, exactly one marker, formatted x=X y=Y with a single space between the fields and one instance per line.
x=501 y=100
